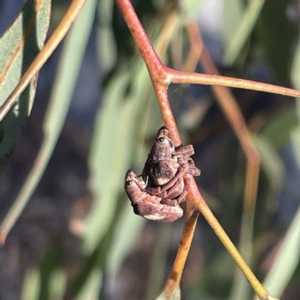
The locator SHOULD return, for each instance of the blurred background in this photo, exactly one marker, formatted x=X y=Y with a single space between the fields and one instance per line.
x=78 y=237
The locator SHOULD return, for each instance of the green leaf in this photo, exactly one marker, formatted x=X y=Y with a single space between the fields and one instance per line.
x=108 y=158
x=278 y=130
x=159 y=260
x=288 y=255
x=92 y=286
x=278 y=35
x=121 y=242
x=57 y=283
x=113 y=144
x=286 y=260
x=240 y=27
x=295 y=74
x=233 y=11
x=107 y=52
x=168 y=294
x=19 y=46
x=31 y=285
x=190 y=9
x=271 y=163
x=56 y=113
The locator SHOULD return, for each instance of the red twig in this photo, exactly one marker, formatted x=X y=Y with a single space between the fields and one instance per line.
x=161 y=77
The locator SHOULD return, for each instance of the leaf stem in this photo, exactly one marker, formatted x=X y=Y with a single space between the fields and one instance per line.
x=184 y=247
x=197 y=78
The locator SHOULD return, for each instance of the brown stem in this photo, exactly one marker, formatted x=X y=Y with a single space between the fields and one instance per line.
x=200 y=203
x=161 y=77
x=197 y=78
x=183 y=250
x=230 y=108
x=155 y=66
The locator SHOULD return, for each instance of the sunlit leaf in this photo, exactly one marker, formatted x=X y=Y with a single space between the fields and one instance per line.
x=170 y=294
x=91 y=289
x=190 y=9
x=108 y=158
x=272 y=165
x=122 y=242
x=57 y=283
x=159 y=261
x=288 y=255
x=233 y=11
x=31 y=285
x=113 y=144
x=295 y=74
x=240 y=29
x=286 y=261
x=284 y=123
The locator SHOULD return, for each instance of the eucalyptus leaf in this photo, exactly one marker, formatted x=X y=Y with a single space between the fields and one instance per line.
x=121 y=242
x=160 y=257
x=57 y=283
x=240 y=29
x=57 y=110
x=112 y=150
x=286 y=260
x=190 y=9
x=19 y=46
x=278 y=35
x=105 y=37
x=91 y=288
x=31 y=285
x=233 y=12
x=277 y=131
x=271 y=162
x=295 y=74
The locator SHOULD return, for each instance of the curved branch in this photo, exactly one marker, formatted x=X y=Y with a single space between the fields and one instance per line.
x=161 y=77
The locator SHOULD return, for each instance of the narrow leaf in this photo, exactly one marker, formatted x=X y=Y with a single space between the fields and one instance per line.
x=31 y=284
x=112 y=148
x=278 y=35
x=295 y=74
x=56 y=113
x=242 y=31
x=286 y=261
x=19 y=46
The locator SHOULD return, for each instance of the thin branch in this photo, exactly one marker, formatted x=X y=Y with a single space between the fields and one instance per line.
x=143 y=43
x=224 y=97
x=184 y=247
x=230 y=108
x=161 y=77
x=200 y=203
x=175 y=76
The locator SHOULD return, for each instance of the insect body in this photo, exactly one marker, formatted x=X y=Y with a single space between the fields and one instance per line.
x=165 y=167
x=166 y=186
x=146 y=205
